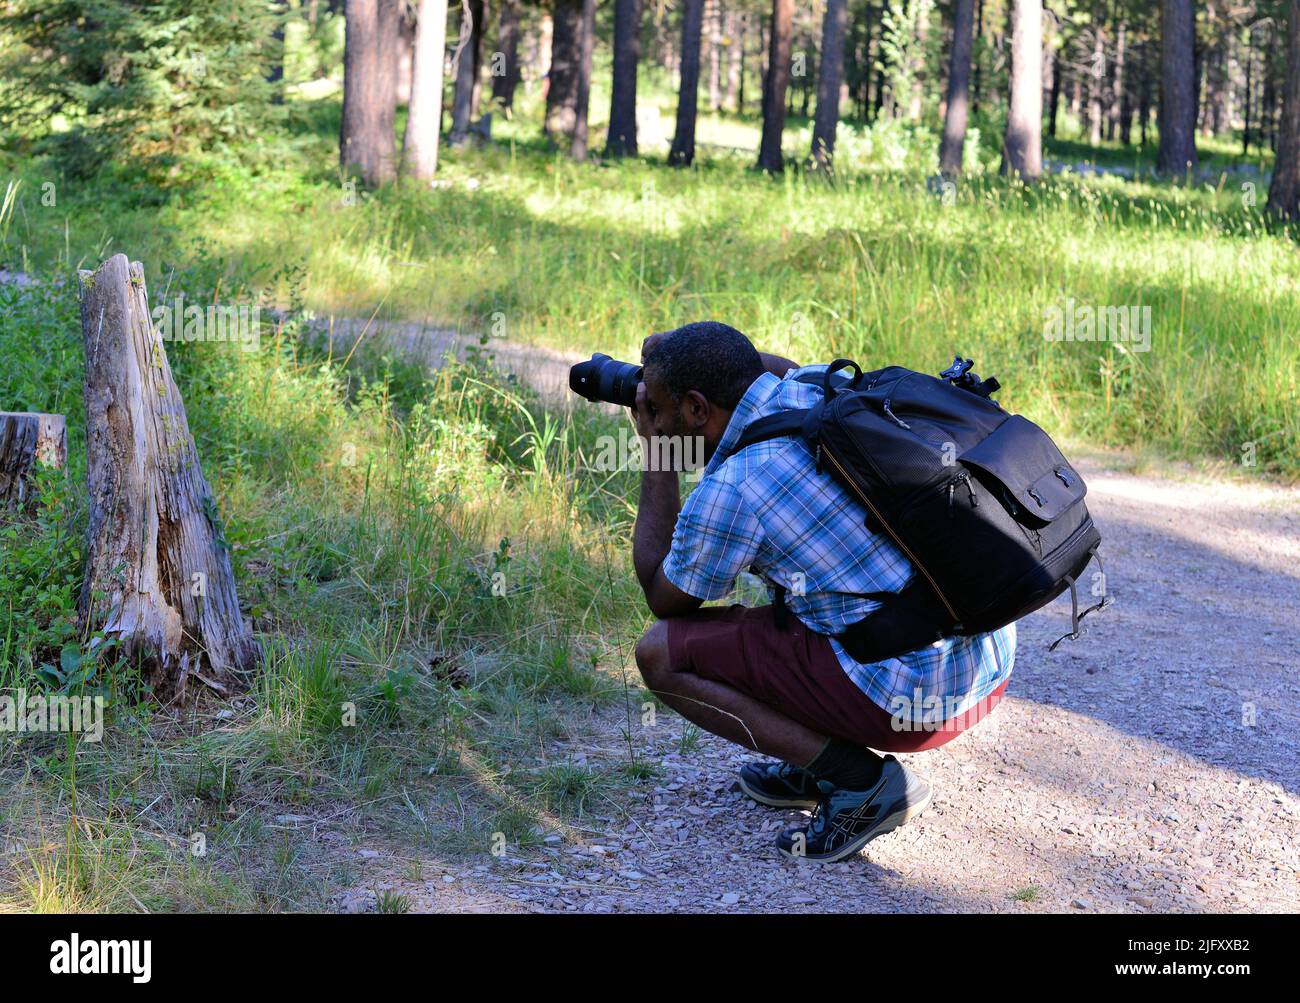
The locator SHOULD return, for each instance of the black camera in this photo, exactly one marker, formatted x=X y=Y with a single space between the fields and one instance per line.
x=601 y=378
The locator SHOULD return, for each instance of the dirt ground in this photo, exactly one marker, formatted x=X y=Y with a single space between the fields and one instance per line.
x=1151 y=766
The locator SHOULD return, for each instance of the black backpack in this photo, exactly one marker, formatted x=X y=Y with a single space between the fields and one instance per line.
x=982 y=503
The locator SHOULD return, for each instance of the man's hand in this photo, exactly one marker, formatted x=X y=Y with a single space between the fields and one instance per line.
x=656 y=516
x=650 y=341
x=641 y=417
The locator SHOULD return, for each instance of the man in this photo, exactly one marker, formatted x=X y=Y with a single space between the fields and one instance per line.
x=776 y=683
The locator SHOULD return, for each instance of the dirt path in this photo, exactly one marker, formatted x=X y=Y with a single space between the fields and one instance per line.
x=1153 y=765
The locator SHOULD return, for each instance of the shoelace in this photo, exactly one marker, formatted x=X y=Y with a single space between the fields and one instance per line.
x=821 y=813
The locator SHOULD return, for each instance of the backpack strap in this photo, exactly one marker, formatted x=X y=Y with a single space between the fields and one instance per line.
x=800 y=421
x=780 y=611
x=906 y=620
x=830 y=383
x=1075 y=615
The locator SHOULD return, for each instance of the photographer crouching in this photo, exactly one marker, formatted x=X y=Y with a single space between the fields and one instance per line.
x=776 y=679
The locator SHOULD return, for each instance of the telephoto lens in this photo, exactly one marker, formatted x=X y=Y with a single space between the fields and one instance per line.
x=601 y=378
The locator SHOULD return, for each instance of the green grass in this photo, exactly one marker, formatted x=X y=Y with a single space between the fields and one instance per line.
x=440 y=583
x=367 y=511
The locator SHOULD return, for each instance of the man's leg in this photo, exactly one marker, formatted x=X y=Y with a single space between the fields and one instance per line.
x=722 y=709
x=728 y=696
x=860 y=796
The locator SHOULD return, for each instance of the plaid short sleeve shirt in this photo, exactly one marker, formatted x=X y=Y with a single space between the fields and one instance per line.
x=767 y=508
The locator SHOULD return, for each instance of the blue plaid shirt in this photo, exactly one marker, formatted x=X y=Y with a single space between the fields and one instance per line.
x=767 y=508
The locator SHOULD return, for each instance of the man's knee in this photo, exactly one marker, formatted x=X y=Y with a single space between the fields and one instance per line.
x=652 y=657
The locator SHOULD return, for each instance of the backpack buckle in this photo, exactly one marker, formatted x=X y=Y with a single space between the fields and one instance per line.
x=959 y=368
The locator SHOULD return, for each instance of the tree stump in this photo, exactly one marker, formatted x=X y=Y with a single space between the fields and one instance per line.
x=28 y=438
x=158 y=575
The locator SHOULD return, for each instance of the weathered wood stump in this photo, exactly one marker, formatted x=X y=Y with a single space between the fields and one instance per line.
x=26 y=439
x=158 y=575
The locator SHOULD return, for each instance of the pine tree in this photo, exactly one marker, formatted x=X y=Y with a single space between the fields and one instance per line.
x=152 y=85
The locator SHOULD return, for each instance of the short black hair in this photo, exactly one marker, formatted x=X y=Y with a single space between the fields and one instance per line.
x=707 y=356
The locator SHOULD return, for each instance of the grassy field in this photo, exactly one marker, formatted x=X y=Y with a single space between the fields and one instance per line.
x=436 y=550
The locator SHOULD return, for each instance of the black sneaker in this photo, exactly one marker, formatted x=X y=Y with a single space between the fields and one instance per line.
x=846 y=821
x=780 y=785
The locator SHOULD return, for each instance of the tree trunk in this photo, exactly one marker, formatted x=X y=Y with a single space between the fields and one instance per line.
x=467 y=67
x=1096 y=82
x=545 y=37
x=566 y=56
x=805 y=79
x=582 y=101
x=275 y=74
x=1144 y=97
x=621 y=140
x=713 y=17
x=1178 y=87
x=735 y=57
x=404 y=57
x=1284 y=192
x=873 y=72
x=682 y=153
x=776 y=82
x=1249 y=93
x=1134 y=60
x=1266 y=106
x=476 y=85
x=1054 y=96
x=424 y=115
x=829 y=77
x=954 y=119
x=366 y=140
x=744 y=55
x=1117 y=83
x=916 y=68
x=505 y=81
x=158 y=575
x=28 y=438
x=1222 y=120
x=1022 y=146
x=1209 y=108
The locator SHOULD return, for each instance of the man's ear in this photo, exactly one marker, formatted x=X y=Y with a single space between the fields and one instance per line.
x=698 y=409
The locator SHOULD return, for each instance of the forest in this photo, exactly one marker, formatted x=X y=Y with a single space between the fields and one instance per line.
x=415 y=216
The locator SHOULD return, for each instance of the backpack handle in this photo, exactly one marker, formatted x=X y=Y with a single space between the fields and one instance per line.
x=835 y=367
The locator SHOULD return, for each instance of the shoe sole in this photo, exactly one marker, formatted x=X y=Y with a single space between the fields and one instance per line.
x=771 y=802
x=854 y=846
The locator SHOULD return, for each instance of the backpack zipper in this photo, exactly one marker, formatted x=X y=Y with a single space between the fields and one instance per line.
x=893 y=417
x=950 y=488
x=894 y=536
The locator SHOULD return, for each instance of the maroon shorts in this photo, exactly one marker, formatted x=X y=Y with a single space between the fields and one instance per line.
x=795 y=671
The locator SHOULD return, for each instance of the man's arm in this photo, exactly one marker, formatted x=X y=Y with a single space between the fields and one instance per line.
x=652 y=535
x=777 y=365
x=656 y=515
